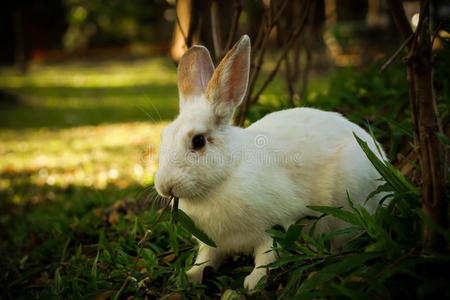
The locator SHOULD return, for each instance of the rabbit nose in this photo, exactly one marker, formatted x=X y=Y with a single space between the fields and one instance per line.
x=163 y=188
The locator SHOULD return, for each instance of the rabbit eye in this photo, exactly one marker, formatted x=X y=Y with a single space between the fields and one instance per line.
x=198 y=141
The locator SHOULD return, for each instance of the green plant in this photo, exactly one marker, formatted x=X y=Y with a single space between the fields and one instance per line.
x=384 y=258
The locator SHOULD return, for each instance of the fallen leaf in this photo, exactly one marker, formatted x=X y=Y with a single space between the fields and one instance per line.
x=113 y=217
x=104 y=295
x=311 y=274
x=172 y=296
x=356 y=279
x=98 y=212
x=167 y=258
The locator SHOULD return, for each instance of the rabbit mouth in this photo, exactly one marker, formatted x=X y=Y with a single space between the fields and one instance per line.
x=191 y=193
x=174 y=191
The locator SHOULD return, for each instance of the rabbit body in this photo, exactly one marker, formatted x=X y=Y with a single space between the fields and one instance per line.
x=237 y=183
x=311 y=158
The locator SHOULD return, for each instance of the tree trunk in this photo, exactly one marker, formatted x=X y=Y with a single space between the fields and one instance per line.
x=181 y=29
x=418 y=62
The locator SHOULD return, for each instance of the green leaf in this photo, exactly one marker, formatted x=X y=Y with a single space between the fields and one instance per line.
x=286 y=260
x=293 y=233
x=343 y=231
x=58 y=281
x=401 y=127
x=391 y=174
x=443 y=139
x=383 y=188
x=373 y=137
x=173 y=237
x=92 y=283
x=376 y=247
x=350 y=292
x=189 y=225
x=433 y=225
x=330 y=271
x=338 y=213
x=150 y=259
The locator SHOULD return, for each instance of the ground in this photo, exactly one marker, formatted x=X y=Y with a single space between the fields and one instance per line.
x=75 y=139
x=78 y=150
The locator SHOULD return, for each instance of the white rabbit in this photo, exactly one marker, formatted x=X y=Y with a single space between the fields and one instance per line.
x=236 y=183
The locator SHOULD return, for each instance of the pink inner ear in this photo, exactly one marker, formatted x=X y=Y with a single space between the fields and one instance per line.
x=194 y=72
x=238 y=80
x=230 y=79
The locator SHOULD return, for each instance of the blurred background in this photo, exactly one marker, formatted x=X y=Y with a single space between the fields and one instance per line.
x=84 y=82
x=86 y=87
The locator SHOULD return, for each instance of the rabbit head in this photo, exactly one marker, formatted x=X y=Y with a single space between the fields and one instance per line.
x=195 y=153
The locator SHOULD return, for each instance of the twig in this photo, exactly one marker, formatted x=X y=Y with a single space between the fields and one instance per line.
x=306 y=70
x=148 y=233
x=234 y=25
x=216 y=29
x=435 y=34
x=396 y=53
x=294 y=35
x=141 y=246
x=172 y=252
x=124 y=285
x=270 y=22
x=289 y=80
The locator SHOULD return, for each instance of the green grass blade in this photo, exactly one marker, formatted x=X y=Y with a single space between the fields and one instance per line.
x=338 y=213
x=331 y=271
x=189 y=225
x=388 y=171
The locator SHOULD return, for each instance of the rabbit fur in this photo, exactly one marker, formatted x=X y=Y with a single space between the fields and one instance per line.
x=244 y=181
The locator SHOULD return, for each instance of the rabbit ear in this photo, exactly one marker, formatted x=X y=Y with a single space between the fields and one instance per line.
x=194 y=72
x=227 y=87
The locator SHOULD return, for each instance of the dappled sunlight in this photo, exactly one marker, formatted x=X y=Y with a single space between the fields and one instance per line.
x=94 y=93
x=91 y=156
x=85 y=124
x=82 y=74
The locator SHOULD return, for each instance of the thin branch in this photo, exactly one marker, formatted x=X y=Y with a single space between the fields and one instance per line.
x=435 y=34
x=404 y=27
x=232 y=33
x=293 y=37
x=124 y=285
x=264 y=34
x=396 y=53
x=306 y=69
x=271 y=22
x=216 y=29
x=149 y=232
x=289 y=80
x=256 y=44
x=400 y=19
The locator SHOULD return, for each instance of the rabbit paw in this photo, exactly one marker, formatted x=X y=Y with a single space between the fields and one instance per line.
x=253 y=278
x=195 y=274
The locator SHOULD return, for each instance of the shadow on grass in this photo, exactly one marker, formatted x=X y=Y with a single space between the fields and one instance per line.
x=42 y=228
x=77 y=242
x=65 y=106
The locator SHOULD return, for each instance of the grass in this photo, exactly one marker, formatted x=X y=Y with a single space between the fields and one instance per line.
x=78 y=149
x=75 y=138
x=75 y=94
